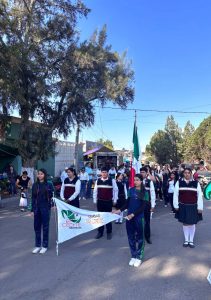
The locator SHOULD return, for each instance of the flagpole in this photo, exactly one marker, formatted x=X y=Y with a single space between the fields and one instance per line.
x=55 y=216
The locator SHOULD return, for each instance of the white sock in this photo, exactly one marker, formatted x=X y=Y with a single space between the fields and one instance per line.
x=192 y=229
x=186 y=232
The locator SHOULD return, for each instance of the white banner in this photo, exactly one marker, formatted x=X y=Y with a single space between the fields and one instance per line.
x=73 y=221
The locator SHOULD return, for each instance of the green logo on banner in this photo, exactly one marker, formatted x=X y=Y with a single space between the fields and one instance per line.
x=71 y=216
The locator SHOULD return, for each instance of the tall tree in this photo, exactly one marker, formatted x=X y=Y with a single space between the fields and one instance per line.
x=165 y=145
x=187 y=135
x=159 y=148
x=200 y=142
x=174 y=134
x=49 y=75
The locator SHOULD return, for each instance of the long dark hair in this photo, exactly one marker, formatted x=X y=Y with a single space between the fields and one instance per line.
x=142 y=190
x=73 y=171
x=45 y=174
x=118 y=174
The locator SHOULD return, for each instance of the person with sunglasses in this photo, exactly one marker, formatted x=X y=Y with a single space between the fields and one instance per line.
x=188 y=204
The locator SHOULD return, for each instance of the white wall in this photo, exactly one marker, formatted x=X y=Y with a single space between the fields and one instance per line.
x=64 y=156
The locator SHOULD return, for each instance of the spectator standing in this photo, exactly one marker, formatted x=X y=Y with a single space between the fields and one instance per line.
x=64 y=174
x=12 y=176
x=84 y=178
x=90 y=173
x=112 y=172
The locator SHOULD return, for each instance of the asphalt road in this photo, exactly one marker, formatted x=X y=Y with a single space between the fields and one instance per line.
x=98 y=269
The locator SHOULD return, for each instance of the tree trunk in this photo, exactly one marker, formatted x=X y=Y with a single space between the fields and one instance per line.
x=76 y=162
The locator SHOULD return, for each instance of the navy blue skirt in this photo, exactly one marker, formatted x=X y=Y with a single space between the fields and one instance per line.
x=188 y=214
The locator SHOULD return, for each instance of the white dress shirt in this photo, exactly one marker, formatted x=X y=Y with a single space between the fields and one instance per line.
x=152 y=192
x=75 y=194
x=199 y=196
x=115 y=191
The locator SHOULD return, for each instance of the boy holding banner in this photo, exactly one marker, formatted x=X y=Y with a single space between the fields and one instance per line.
x=104 y=195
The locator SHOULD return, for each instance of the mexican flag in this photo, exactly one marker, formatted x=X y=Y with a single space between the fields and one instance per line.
x=135 y=164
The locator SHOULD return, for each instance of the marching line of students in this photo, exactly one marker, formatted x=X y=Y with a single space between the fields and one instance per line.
x=184 y=195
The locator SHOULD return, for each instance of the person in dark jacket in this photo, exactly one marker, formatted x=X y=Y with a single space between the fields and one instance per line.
x=12 y=175
x=135 y=220
x=42 y=193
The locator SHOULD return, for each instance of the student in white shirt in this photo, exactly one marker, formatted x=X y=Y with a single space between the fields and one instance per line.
x=188 y=203
x=70 y=189
x=171 y=186
x=84 y=178
x=64 y=174
x=112 y=172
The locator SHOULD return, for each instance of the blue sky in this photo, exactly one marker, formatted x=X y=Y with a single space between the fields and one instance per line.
x=170 y=47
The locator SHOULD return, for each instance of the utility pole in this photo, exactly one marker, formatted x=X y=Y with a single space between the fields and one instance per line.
x=76 y=162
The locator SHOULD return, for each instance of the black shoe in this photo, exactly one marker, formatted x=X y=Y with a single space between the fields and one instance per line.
x=191 y=245
x=98 y=236
x=148 y=241
x=185 y=244
x=109 y=236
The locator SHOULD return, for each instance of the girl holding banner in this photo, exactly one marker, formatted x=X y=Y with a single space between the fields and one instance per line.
x=42 y=193
x=135 y=220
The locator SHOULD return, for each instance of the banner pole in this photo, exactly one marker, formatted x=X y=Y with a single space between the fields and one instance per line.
x=55 y=216
x=57 y=248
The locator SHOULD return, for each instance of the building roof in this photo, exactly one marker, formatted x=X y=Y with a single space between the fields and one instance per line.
x=98 y=149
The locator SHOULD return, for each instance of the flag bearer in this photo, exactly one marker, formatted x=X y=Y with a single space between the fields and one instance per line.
x=71 y=188
x=150 y=202
x=104 y=195
x=135 y=220
x=188 y=203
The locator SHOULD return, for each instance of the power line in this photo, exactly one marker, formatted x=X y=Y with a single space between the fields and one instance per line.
x=156 y=110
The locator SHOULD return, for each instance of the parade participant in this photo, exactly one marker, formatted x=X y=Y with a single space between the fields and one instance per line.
x=121 y=169
x=84 y=178
x=122 y=195
x=71 y=188
x=171 y=184
x=150 y=202
x=64 y=174
x=135 y=220
x=42 y=193
x=12 y=176
x=165 y=174
x=98 y=172
x=112 y=172
x=188 y=203
x=196 y=174
x=89 y=171
x=104 y=195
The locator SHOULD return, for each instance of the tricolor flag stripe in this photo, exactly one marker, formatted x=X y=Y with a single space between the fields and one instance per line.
x=135 y=165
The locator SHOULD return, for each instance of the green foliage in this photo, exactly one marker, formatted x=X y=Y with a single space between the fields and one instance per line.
x=186 y=141
x=199 y=146
x=165 y=144
x=49 y=75
x=107 y=143
x=173 y=145
x=159 y=147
